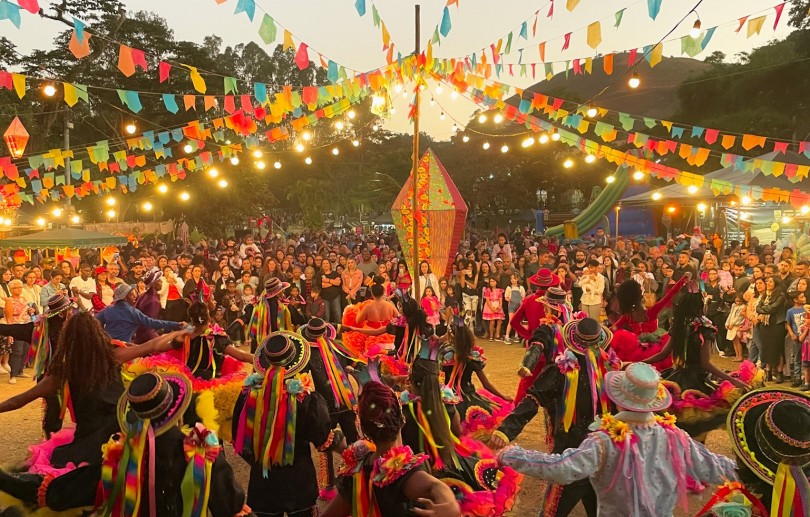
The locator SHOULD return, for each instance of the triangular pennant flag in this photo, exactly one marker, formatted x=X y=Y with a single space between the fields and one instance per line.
x=246 y=6
x=125 y=63
x=571 y=5
x=594 y=34
x=446 y=25
x=656 y=54
x=742 y=22
x=229 y=84
x=79 y=50
x=288 y=41
x=302 y=56
x=375 y=15
x=163 y=70
x=10 y=12
x=534 y=25
x=32 y=6
x=607 y=64
x=267 y=30
x=74 y=92
x=508 y=48
x=386 y=37
x=653 y=8
x=778 y=8
x=755 y=25
x=707 y=38
x=631 y=59
x=78 y=27
x=619 y=15
x=524 y=30
x=196 y=79
x=360 y=5
x=567 y=41
x=542 y=49
x=550 y=12
x=19 y=84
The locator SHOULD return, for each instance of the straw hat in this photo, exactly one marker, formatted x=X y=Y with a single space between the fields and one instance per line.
x=638 y=388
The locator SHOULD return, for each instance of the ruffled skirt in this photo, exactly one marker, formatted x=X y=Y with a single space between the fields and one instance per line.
x=359 y=343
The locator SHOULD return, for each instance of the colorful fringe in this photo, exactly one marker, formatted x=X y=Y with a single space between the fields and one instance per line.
x=259 y=326
x=341 y=388
x=791 y=492
x=201 y=448
x=41 y=343
x=122 y=471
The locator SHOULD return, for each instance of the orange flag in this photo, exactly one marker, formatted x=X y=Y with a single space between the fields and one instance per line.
x=125 y=62
x=80 y=50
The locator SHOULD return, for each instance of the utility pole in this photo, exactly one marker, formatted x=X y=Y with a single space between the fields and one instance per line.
x=414 y=169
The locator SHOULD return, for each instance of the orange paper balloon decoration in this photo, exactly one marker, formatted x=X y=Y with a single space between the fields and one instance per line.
x=441 y=213
x=16 y=138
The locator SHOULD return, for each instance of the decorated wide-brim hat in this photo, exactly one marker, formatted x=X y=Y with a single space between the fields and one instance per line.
x=162 y=398
x=152 y=277
x=317 y=328
x=274 y=287
x=770 y=426
x=584 y=334
x=544 y=278
x=554 y=298
x=637 y=388
x=282 y=349
x=57 y=304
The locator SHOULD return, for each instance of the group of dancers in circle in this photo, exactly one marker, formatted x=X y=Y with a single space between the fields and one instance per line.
x=393 y=396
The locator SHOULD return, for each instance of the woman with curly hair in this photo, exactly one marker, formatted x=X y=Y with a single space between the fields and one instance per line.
x=88 y=365
x=381 y=478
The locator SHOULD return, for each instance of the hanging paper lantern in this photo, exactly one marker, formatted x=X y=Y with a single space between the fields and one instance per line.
x=16 y=138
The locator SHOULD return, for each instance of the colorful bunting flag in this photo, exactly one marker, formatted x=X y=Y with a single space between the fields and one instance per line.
x=594 y=34
x=567 y=41
x=619 y=15
x=360 y=5
x=196 y=79
x=19 y=84
x=74 y=92
x=267 y=30
x=170 y=103
x=229 y=84
x=778 y=8
x=246 y=6
x=77 y=48
x=653 y=8
x=707 y=38
x=10 y=12
x=131 y=100
x=302 y=56
x=742 y=22
x=755 y=25
x=446 y=25
x=163 y=71
x=571 y=5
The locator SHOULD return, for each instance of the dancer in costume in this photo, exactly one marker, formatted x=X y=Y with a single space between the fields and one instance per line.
x=381 y=478
x=572 y=391
x=190 y=477
x=372 y=314
x=277 y=416
x=770 y=435
x=546 y=339
x=88 y=365
x=699 y=402
x=637 y=462
x=207 y=357
x=149 y=304
x=636 y=334
x=459 y=363
x=326 y=365
x=269 y=315
x=533 y=312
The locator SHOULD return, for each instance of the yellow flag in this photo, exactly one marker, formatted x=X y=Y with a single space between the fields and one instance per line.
x=755 y=25
x=571 y=5
x=71 y=95
x=385 y=36
x=429 y=56
x=594 y=34
x=288 y=41
x=19 y=84
x=197 y=80
x=656 y=54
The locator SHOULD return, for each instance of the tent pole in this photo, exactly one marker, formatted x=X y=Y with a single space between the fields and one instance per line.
x=414 y=170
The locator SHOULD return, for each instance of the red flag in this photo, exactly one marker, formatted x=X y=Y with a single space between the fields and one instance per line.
x=550 y=9
x=632 y=59
x=567 y=41
x=163 y=70
x=778 y=8
x=302 y=56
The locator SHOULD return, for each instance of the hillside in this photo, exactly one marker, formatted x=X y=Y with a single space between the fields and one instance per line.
x=656 y=97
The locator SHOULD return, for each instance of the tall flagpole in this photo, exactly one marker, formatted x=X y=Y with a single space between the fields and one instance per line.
x=415 y=201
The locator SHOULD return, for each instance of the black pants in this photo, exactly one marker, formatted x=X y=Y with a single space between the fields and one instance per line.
x=348 y=424
x=567 y=497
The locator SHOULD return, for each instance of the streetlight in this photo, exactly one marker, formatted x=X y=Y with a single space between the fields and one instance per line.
x=131 y=128
x=222 y=183
x=57 y=212
x=234 y=160
x=40 y=221
x=147 y=207
x=184 y=196
x=49 y=90
x=110 y=201
x=162 y=188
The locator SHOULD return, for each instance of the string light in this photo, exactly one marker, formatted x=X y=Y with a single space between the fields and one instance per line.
x=257 y=153
x=57 y=212
x=356 y=143
x=339 y=125
x=162 y=188
x=299 y=147
x=40 y=221
x=455 y=128
x=308 y=160
x=335 y=151
x=222 y=183
x=701 y=207
x=351 y=114
x=439 y=90
x=485 y=146
x=634 y=81
x=432 y=102
x=277 y=165
x=184 y=196
x=555 y=136
x=528 y=142
x=638 y=175
x=589 y=158
x=745 y=200
x=234 y=160
x=188 y=149
x=110 y=214
x=441 y=117
x=454 y=95
x=375 y=127
x=482 y=118
x=786 y=220
x=694 y=32
x=75 y=220
x=804 y=209
x=110 y=201
x=592 y=111
x=465 y=139
x=498 y=118
x=131 y=128
x=504 y=148
x=393 y=111
x=610 y=179
x=398 y=88
x=671 y=209
x=568 y=163
x=692 y=189
x=657 y=196
x=261 y=165
x=147 y=207
x=49 y=90
x=213 y=172
x=543 y=139
x=307 y=136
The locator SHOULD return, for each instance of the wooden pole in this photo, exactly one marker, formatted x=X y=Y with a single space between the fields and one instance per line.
x=414 y=169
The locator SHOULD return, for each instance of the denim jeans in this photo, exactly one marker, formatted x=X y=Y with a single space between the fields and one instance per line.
x=753 y=346
x=794 y=351
x=333 y=312
x=470 y=307
x=19 y=349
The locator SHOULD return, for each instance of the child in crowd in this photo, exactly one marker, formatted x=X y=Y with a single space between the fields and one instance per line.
x=450 y=304
x=316 y=307
x=734 y=326
x=804 y=337
x=248 y=294
x=430 y=304
x=794 y=321
x=515 y=293
x=296 y=303
x=493 y=307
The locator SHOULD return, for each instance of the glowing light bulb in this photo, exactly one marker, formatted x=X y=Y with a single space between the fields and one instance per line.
x=528 y=142
x=589 y=158
x=701 y=207
x=213 y=172
x=441 y=117
x=543 y=139
x=110 y=201
x=746 y=200
x=465 y=139
x=75 y=220
x=339 y=125
x=454 y=95
x=356 y=143
x=568 y=163
x=261 y=165
x=110 y=213
x=335 y=151
x=638 y=175
x=786 y=220
x=234 y=160
x=498 y=118
x=694 y=32
x=482 y=118
x=805 y=209
x=40 y=221
x=657 y=196
x=392 y=111
x=162 y=188
x=299 y=147
x=592 y=111
x=184 y=196
x=308 y=160
x=439 y=90
x=504 y=148
x=130 y=128
x=692 y=189
x=188 y=149
x=635 y=81
x=57 y=212
x=432 y=102
x=610 y=179
x=671 y=209
x=147 y=207
x=375 y=127
x=555 y=136
x=307 y=136
x=49 y=90
x=277 y=165
x=257 y=153
x=485 y=146
x=398 y=88
x=222 y=183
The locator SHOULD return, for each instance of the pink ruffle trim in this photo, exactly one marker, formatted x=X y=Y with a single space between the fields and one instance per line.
x=40 y=460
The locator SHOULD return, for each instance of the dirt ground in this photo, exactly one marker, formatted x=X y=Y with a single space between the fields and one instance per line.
x=21 y=428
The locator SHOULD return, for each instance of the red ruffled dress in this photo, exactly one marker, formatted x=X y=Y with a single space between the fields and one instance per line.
x=359 y=343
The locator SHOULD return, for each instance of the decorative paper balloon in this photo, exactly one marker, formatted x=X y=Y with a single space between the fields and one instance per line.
x=16 y=138
x=441 y=214
x=20 y=256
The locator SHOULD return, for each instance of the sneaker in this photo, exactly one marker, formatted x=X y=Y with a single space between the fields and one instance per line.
x=5 y=369
x=796 y=383
x=507 y=340
x=805 y=387
x=13 y=380
x=723 y=354
x=24 y=375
